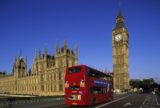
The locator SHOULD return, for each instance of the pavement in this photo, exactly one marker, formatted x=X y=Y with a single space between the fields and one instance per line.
x=32 y=103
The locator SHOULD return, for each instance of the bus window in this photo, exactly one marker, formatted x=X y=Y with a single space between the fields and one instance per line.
x=108 y=88
x=74 y=88
x=87 y=71
x=74 y=70
x=92 y=73
x=108 y=78
x=98 y=90
x=96 y=74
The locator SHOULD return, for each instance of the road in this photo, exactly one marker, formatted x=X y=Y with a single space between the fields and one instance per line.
x=120 y=101
x=133 y=101
x=128 y=101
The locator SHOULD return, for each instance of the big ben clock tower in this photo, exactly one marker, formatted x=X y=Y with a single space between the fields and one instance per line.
x=120 y=46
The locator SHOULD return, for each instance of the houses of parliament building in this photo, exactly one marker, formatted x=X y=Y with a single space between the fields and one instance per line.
x=46 y=78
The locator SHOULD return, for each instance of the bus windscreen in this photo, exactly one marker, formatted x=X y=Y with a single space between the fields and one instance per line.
x=74 y=70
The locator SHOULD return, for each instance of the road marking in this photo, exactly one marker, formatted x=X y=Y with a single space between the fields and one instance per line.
x=127 y=104
x=156 y=100
x=145 y=100
x=112 y=102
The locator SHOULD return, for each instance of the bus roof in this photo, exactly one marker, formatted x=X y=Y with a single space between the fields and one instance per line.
x=82 y=65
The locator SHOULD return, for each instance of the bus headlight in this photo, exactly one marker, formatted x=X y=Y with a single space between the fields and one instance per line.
x=82 y=83
x=79 y=97
x=66 y=85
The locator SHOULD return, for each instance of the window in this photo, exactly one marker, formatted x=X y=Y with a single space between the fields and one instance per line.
x=51 y=88
x=61 y=87
x=74 y=88
x=42 y=77
x=54 y=76
x=98 y=90
x=74 y=70
x=73 y=62
x=54 y=87
x=42 y=87
x=51 y=77
x=60 y=77
x=97 y=74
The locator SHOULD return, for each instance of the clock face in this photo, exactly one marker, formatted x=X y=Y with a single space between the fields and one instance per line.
x=118 y=37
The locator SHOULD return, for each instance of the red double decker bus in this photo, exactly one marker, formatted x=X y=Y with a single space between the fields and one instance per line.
x=87 y=86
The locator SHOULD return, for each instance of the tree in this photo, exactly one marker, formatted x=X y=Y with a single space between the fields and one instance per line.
x=148 y=85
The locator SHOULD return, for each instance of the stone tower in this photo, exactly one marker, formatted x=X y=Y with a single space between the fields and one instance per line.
x=20 y=67
x=120 y=46
x=65 y=57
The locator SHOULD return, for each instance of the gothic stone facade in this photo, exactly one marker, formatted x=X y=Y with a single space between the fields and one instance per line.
x=46 y=78
x=120 y=46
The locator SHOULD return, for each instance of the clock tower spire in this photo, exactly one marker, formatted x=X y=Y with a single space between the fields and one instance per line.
x=119 y=20
x=120 y=43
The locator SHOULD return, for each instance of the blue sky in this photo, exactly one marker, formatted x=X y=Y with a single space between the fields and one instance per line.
x=29 y=24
